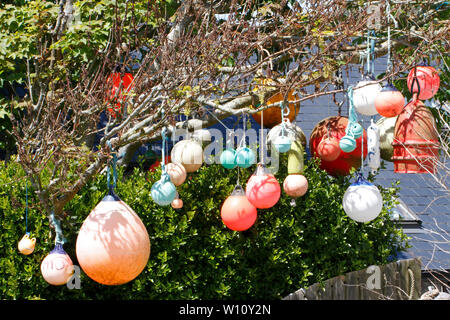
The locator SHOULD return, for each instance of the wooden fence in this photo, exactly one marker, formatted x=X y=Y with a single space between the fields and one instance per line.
x=400 y=280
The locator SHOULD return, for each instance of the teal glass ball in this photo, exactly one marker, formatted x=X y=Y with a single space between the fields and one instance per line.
x=357 y=130
x=163 y=191
x=227 y=158
x=347 y=144
x=245 y=157
x=282 y=144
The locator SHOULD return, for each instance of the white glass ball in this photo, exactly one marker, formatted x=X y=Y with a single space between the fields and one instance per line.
x=362 y=202
x=202 y=135
x=364 y=95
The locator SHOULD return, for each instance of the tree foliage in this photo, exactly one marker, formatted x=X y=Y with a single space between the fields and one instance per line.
x=193 y=255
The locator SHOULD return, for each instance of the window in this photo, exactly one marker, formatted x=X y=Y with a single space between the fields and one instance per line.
x=407 y=218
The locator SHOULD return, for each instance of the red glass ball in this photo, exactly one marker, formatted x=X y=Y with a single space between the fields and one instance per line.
x=428 y=79
x=114 y=80
x=263 y=190
x=237 y=212
x=328 y=149
x=389 y=102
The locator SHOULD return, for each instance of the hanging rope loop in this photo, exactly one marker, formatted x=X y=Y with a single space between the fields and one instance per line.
x=283 y=115
x=416 y=81
x=60 y=239
x=370 y=54
x=243 y=142
x=163 y=150
x=352 y=116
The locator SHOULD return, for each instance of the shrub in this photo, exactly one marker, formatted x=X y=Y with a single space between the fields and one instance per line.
x=193 y=255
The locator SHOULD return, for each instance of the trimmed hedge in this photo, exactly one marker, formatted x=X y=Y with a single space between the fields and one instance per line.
x=193 y=255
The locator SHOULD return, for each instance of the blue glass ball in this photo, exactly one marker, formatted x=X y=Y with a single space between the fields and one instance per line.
x=347 y=144
x=245 y=157
x=227 y=158
x=163 y=191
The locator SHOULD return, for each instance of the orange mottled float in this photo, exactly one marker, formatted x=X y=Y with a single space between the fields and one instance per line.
x=57 y=267
x=113 y=245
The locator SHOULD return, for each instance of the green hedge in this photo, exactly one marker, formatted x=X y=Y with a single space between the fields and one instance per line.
x=193 y=255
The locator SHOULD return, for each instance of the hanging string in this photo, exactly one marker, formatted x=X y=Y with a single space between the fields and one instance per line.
x=415 y=80
x=372 y=53
x=163 y=149
x=282 y=119
x=261 y=139
x=111 y=187
x=370 y=58
x=389 y=18
x=389 y=63
x=167 y=145
x=228 y=130
x=243 y=142
x=368 y=53
x=362 y=154
x=26 y=207
x=339 y=85
x=353 y=119
x=223 y=124
x=352 y=116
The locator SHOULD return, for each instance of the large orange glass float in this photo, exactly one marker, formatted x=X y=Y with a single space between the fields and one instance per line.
x=263 y=189
x=416 y=141
x=237 y=212
x=423 y=80
x=114 y=80
x=57 y=267
x=272 y=116
x=342 y=165
x=113 y=245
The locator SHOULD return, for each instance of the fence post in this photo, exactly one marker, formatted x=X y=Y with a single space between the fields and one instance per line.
x=391 y=281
